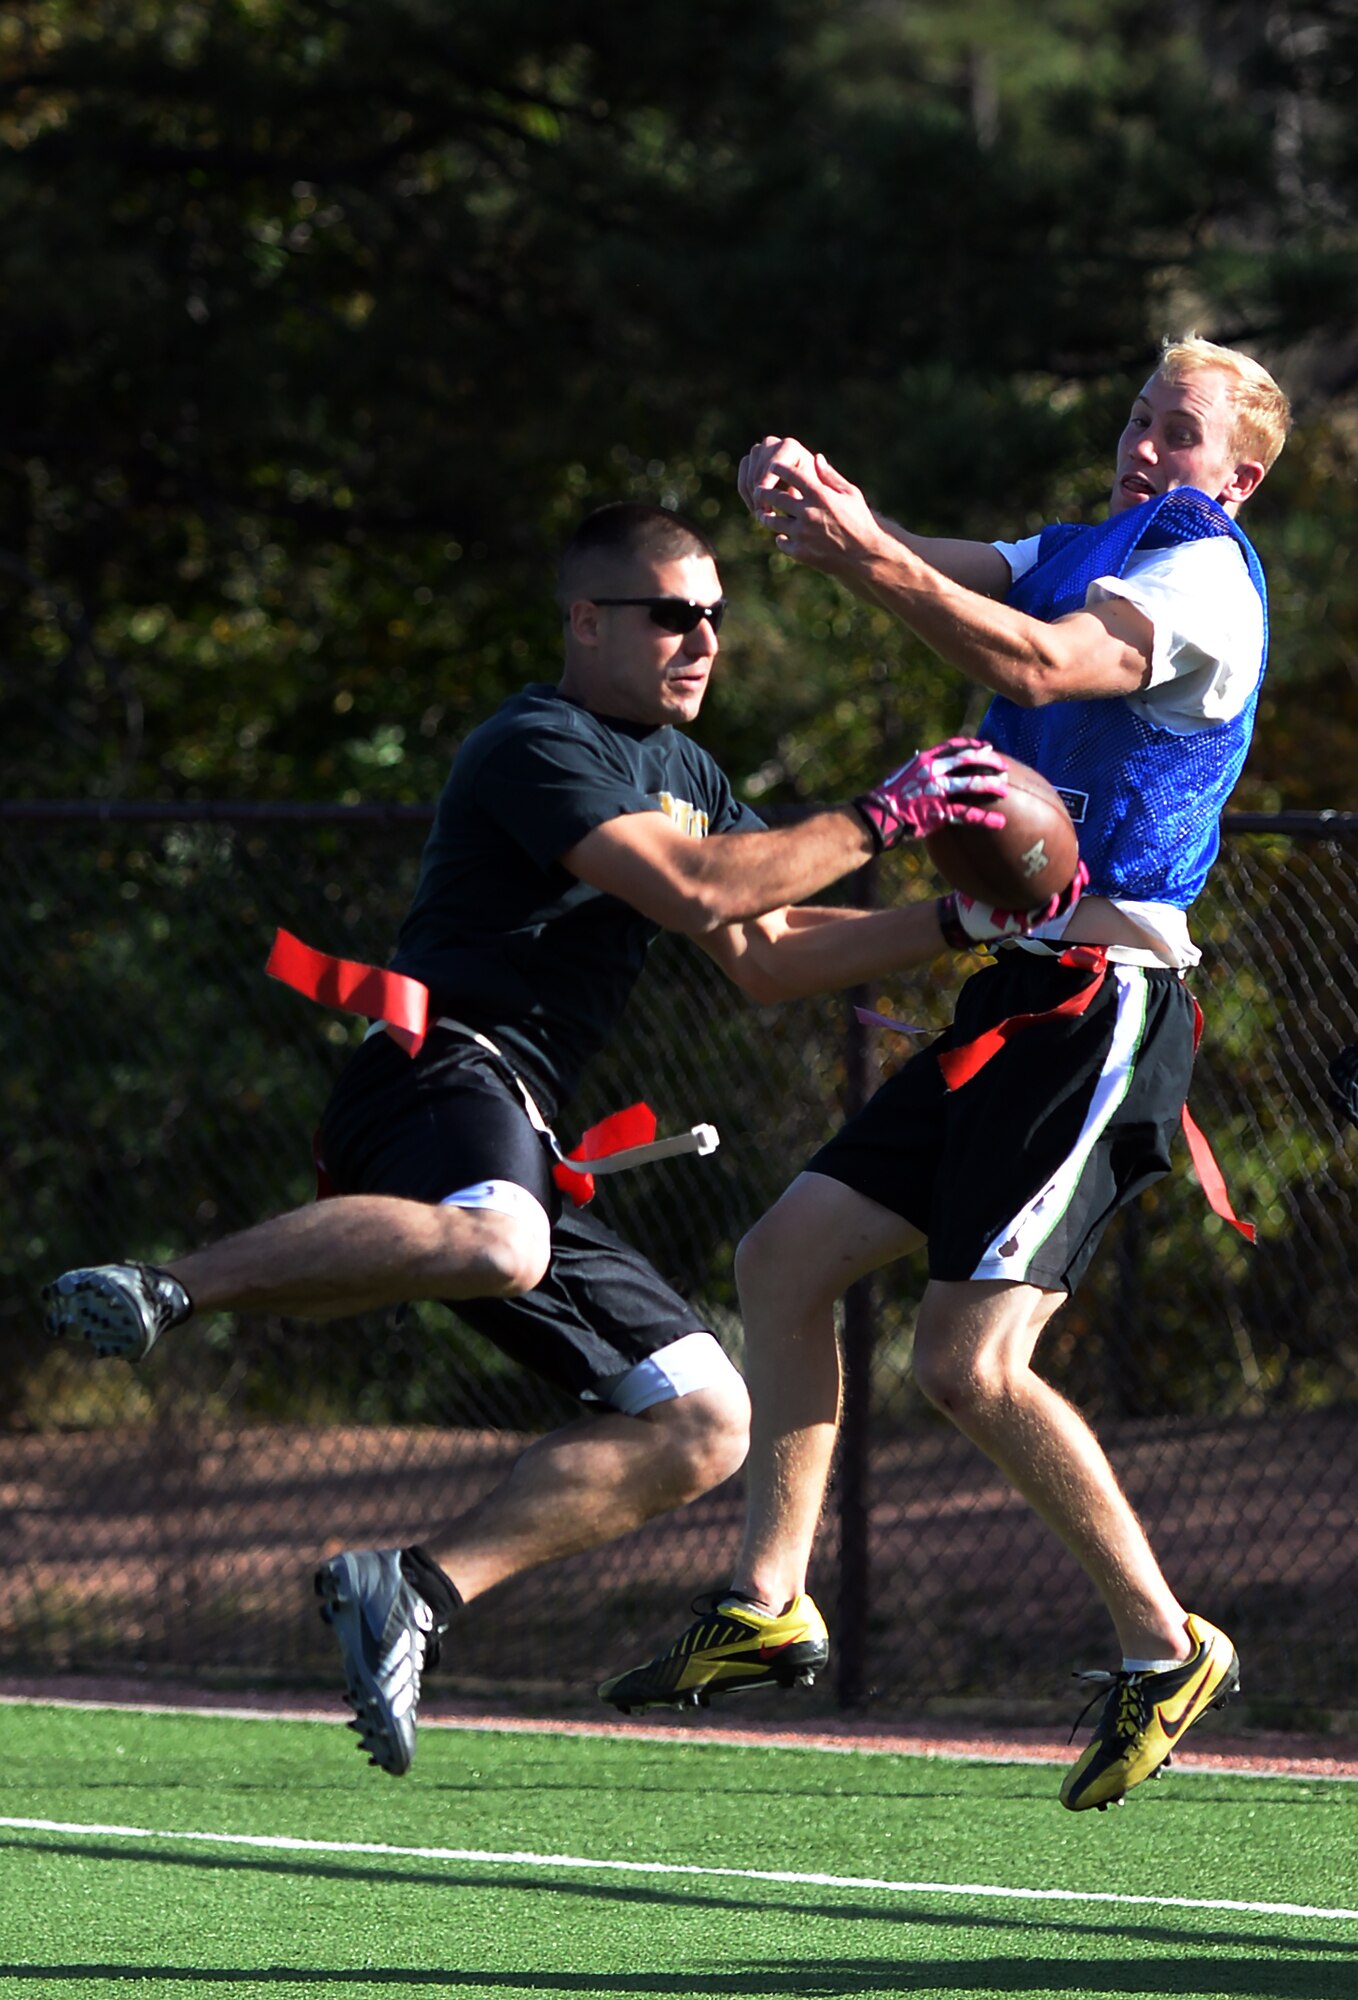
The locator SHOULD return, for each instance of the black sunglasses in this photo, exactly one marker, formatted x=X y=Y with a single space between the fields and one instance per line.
x=675 y=614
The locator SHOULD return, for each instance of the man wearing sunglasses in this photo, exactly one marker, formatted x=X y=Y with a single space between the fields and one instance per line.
x=577 y=822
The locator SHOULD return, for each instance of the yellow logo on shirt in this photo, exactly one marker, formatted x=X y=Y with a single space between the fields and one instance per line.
x=689 y=819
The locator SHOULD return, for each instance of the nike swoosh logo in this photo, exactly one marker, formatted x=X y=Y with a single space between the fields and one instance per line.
x=1174 y=1724
x=772 y=1652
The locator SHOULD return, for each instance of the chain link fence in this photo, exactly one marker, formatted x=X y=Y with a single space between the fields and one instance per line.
x=159 y=1091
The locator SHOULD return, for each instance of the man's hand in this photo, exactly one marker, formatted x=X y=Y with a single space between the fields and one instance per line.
x=962 y=779
x=757 y=480
x=965 y=922
x=817 y=516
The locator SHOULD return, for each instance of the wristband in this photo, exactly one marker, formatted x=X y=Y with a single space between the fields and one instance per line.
x=871 y=816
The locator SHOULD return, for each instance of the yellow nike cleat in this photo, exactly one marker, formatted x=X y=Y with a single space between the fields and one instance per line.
x=1146 y=1714
x=729 y=1647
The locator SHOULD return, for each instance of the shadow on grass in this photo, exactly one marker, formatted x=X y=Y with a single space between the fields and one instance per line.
x=833 y=1979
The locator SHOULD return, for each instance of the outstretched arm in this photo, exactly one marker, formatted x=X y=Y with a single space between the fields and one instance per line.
x=793 y=953
x=698 y=885
x=819 y=518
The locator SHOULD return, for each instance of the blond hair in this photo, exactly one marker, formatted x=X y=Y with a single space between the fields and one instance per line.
x=1263 y=415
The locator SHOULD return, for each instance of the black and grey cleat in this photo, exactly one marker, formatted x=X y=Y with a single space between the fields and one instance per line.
x=387 y=1634
x=120 y=1309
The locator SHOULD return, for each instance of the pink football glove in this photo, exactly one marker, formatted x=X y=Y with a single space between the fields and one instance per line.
x=961 y=779
x=965 y=922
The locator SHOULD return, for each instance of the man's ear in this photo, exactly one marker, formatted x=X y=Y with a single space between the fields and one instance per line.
x=1242 y=482
x=582 y=621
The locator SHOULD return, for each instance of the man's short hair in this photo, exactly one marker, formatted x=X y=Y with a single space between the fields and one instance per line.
x=1263 y=416
x=614 y=537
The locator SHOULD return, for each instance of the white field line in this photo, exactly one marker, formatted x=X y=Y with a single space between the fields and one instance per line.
x=1196 y=1764
x=488 y=1858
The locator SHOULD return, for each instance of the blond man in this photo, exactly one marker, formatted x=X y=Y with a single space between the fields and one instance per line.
x=1125 y=662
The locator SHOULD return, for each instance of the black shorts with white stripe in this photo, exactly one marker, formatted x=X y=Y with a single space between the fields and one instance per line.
x=1016 y=1174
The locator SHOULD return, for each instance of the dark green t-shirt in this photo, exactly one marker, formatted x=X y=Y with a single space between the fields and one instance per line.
x=504 y=937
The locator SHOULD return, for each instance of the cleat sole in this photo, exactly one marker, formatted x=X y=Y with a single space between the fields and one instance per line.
x=118 y=1310
x=702 y=1697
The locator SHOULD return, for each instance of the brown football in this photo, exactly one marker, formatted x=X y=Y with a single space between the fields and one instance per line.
x=1019 y=865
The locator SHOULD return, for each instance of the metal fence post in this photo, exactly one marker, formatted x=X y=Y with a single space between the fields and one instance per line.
x=855 y=1433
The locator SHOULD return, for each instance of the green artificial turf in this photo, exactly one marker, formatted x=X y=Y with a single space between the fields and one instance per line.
x=97 y=1912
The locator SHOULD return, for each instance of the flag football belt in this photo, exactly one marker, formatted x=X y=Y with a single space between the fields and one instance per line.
x=959 y=1065
x=398 y=1006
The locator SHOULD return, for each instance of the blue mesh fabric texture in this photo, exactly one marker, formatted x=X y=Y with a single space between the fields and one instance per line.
x=1146 y=801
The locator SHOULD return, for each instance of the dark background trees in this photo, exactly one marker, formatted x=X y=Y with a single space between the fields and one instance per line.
x=323 y=321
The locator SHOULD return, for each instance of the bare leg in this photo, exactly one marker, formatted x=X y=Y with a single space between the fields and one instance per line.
x=974 y=1344
x=357 y=1252
x=792 y=1267
x=584 y=1485
x=594 y=1480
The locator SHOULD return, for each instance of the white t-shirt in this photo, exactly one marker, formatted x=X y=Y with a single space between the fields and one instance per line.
x=1208 y=625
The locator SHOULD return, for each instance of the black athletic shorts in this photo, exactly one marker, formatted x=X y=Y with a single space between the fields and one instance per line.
x=423 y=1128
x=1016 y=1174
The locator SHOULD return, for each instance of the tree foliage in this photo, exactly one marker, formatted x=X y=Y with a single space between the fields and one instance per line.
x=324 y=321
